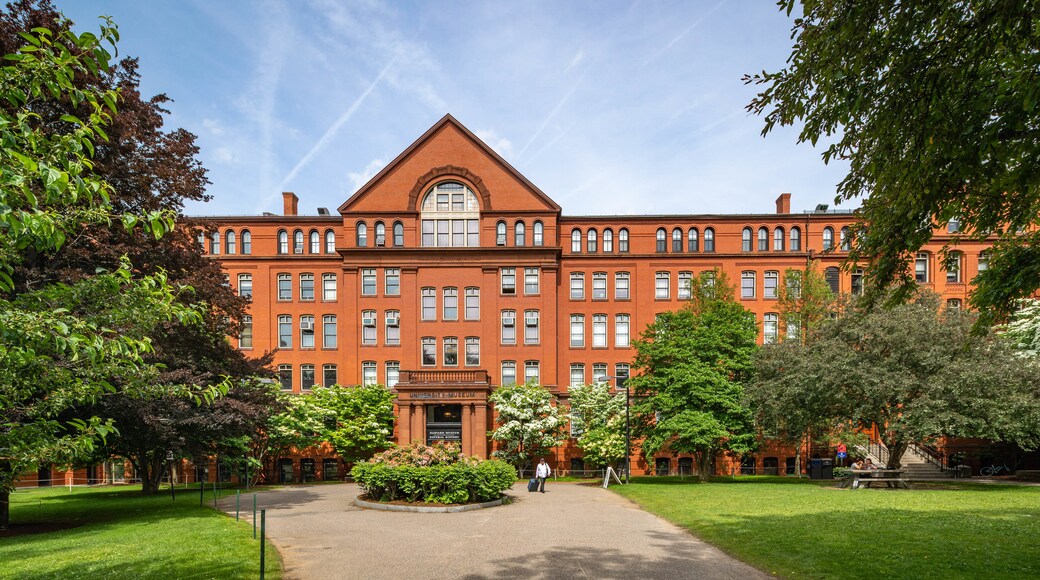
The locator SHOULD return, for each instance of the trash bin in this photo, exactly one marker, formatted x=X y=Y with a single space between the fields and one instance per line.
x=816 y=469
x=826 y=469
x=963 y=471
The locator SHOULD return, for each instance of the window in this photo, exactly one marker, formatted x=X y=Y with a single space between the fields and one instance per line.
x=229 y=242
x=953 y=271
x=778 y=239
x=472 y=303
x=297 y=239
x=857 y=282
x=451 y=351
x=285 y=377
x=368 y=281
x=530 y=281
x=622 y=241
x=828 y=238
x=329 y=375
x=531 y=327
x=519 y=234
x=508 y=327
x=393 y=373
x=771 y=281
x=599 y=331
x=315 y=240
x=508 y=280
x=621 y=374
x=621 y=281
x=796 y=240
x=745 y=240
x=307 y=331
x=953 y=226
x=429 y=351
x=577 y=330
x=677 y=240
x=763 y=240
x=599 y=285
x=500 y=234
x=539 y=234
x=577 y=285
x=708 y=283
x=368 y=373
x=451 y=304
x=592 y=241
x=328 y=331
x=245 y=334
x=362 y=235
x=662 y=240
x=245 y=285
x=709 y=240
x=747 y=284
x=330 y=242
x=846 y=239
x=392 y=281
x=429 y=304
x=453 y=210
x=685 y=291
x=283 y=242
x=328 y=287
x=472 y=351
x=531 y=372
x=693 y=240
x=306 y=377
x=661 y=285
x=398 y=236
x=792 y=329
x=285 y=331
x=921 y=268
x=577 y=374
x=284 y=287
x=214 y=245
x=832 y=276
x=953 y=304
x=508 y=372
x=621 y=330
x=794 y=284
x=599 y=372
x=393 y=327
x=380 y=235
x=575 y=241
x=307 y=287
x=608 y=241
x=983 y=261
x=247 y=242
x=769 y=324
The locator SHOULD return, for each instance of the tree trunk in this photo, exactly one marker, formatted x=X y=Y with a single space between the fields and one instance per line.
x=704 y=459
x=798 y=461
x=896 y=448
x=5 y=508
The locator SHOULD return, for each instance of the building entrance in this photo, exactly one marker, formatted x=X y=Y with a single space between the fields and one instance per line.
x=444 y=406
x=443 y=423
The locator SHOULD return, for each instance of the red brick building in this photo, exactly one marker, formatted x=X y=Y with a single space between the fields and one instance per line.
x=449 y=274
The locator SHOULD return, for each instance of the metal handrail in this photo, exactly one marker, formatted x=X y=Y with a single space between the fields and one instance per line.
x=931 y=455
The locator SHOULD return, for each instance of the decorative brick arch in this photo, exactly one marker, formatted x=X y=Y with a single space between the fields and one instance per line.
x=435 y=174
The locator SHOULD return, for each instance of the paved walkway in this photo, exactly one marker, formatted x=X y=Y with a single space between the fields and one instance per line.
x=571 y=531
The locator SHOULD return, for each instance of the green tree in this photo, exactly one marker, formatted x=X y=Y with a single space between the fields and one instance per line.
x=359 y=420
x=528 y=424
x=689 y=369
x=804 y=300
x=934 y=105
x=599 y=418
x=299 y=425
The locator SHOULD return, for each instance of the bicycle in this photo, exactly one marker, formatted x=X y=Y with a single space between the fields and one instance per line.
x=991 y=470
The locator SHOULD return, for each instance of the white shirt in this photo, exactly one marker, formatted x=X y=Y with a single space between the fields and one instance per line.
x=542 y=470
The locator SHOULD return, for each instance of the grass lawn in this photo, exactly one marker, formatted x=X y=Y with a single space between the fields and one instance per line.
x=117 y=533
x=814 y=530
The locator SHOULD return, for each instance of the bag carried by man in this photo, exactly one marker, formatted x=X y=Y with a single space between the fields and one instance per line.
x=533 y=484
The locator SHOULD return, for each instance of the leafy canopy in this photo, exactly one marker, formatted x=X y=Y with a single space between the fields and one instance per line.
x=527 y=423
x=359 y=420
x=598 y=417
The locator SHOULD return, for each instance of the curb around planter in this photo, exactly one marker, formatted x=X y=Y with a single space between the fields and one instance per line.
x=387 y=507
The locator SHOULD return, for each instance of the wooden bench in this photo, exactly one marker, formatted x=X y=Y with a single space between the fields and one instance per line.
x=892 y=478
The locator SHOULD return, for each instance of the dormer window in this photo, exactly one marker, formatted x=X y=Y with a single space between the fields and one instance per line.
x=450 y=216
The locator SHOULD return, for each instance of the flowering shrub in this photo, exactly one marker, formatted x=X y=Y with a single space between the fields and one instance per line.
x=437 y=473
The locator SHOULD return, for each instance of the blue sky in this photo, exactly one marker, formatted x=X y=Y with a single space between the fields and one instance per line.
x=609 y=107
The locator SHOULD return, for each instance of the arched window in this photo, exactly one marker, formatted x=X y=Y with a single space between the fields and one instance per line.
x=832 y=276
x=229 y=242
x=778 y=239
x=954 y=267
x=796 y=240
x=330 y=242
x=450 y=216
x=575 y=241
x=398 y=235
x=519 y=234
x=315 y=241
x=677 y=240
x=202 y=241
x=593 y=241
x=500 y=234
x=247 y=242
x=622 y=241
x=214 y=243
x=763 y=239
x=828 y=238
x=709 y=239
x=662 y=240
x=380 y=235
x=297 y=240
x=362 y=235
x=608 y=240
x=283 y=242
x=745 y=240
x=539 y=234
x=846 y=240
x=693 y=242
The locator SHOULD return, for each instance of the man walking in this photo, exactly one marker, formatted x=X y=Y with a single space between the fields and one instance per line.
x=543 y=471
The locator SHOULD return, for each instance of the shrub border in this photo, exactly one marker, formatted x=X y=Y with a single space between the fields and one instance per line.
x=389 y=507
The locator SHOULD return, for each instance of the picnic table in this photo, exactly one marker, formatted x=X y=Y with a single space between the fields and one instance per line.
x=892 y=478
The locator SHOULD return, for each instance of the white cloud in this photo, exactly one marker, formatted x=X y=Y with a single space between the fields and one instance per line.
x=501 y=145
x=224 y=155
x=359 y=179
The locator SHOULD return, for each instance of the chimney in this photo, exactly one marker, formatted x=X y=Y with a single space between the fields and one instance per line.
x=783 y=203
x=290 y=203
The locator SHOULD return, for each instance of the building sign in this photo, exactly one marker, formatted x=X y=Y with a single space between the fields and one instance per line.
x=445 y=395
x=444 y=434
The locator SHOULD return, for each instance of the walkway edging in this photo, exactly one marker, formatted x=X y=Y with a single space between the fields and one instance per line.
x=448 y=509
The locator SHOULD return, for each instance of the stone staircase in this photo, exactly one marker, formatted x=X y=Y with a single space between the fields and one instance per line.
x=917 y=465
